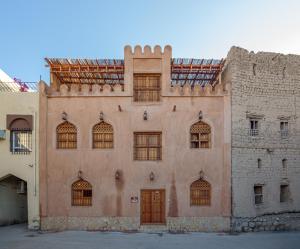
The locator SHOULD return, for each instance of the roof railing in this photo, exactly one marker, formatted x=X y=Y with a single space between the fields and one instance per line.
x=18 y=86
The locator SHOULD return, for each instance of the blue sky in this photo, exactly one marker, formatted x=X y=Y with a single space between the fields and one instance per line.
x=32 y=30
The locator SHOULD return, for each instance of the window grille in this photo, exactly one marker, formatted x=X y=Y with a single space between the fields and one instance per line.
x=284 y=129
x=200 y=135
x=20 y=141
x=147 y=146
x=200 y=193
x=284 y=193
x=66 y=135
x=146 y=88
x=103 y=136
x=258 y=194
x=253 y=128
x=82 y=193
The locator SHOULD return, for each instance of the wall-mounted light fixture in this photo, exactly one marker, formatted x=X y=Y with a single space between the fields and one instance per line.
x=145 y=116
x=64 y=116
x=79 y=174
x=118 y=175
x=201 y=174
x=174 y=108
x=101 y=116
x=200 y=115
x=119 y=107
x=151 y=176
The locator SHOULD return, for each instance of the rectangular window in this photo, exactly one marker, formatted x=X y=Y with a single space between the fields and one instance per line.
x=146 y=87
x=284 y=193
x=258 y=194
x=20 y=142
x=147 y=146
x=284 y=129
x=253 y=127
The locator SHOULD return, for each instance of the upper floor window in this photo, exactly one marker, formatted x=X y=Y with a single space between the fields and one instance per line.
x=258 y=194
x=103 y=136
x=200 y=193
x=284 y=129
x=253 y=127
x=20 y=127
x=147 y=146
x=82 y=193
x=146 y=87
x=200 y=135
x=20 y=141
x=66 y=136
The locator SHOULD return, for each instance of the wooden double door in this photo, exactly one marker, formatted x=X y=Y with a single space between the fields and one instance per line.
x=153 y=206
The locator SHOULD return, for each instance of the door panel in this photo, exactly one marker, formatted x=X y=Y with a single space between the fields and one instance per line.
x=153 y=206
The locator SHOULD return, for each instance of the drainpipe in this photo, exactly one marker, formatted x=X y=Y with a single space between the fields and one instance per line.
x=35 y=150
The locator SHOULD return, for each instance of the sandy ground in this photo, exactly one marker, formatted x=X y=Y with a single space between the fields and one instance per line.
x=17 y=237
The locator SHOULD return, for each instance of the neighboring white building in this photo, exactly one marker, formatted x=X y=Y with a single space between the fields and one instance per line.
x=265 y=139
x=19 y=185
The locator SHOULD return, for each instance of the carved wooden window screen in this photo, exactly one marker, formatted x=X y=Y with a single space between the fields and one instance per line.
x=200 y=135
x=147 y=146
x=66 y=135
x=200 y=193
x=146 y=87
x=103 y=136
x=82 y=193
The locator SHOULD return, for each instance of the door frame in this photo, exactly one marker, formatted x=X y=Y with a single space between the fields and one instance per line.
x=163 y=192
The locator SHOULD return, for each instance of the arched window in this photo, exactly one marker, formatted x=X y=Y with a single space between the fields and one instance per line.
x=103 y=135
x=82 y=193
x=66 y=136
x=200 y=135
x=200 y=192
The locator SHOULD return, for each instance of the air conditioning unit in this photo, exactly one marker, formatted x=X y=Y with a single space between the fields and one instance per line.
x=2 y=134
x=21 y=187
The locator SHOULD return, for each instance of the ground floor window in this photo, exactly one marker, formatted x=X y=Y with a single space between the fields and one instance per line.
x=258 y=194
x=200 y=192
x=82 y=193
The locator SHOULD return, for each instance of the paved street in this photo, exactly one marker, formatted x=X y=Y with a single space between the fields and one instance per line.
x=18 y=237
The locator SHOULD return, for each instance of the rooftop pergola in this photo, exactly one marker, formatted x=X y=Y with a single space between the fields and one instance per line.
x=111 y=71
x=87 y=71
x=195 y=71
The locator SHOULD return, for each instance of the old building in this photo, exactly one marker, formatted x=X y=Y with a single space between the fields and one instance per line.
x=135 y=144
x=265 y=139
x=19 y=197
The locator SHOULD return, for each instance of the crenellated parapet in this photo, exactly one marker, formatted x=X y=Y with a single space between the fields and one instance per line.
x=147 y=52
x=88 y=90
x=147 y=60
x=197 y=90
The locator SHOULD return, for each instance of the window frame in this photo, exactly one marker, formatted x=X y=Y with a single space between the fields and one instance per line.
x=146 y=88
x=284 y=128
x=158 y=147
x=260 y=195
x=22 y=148
x=202 y=199
x=81 y=197
x=199 y=141
x=102 y=141
x=254 y=132
x=67 y=140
